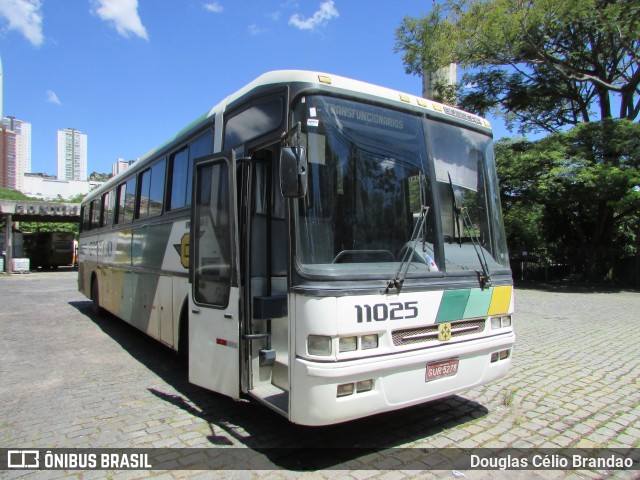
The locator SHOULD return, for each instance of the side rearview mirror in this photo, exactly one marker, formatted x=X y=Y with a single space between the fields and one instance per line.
x=293 y=172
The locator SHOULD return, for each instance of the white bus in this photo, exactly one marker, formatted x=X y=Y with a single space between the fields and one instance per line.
x=330 y=248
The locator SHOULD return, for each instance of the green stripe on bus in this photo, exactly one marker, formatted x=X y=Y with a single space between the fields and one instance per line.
x=478 y=304
x=453 y=305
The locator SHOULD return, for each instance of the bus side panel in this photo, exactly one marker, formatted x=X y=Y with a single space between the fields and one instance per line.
x=87 y=262
x=122 y=256
x=180 y=290
x=148 y=296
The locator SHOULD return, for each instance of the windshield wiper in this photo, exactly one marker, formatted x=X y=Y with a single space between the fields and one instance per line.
x=405 y=261
x=484 y=277
x=455 y=208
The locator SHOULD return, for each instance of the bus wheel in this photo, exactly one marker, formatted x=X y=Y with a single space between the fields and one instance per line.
x=95 y=298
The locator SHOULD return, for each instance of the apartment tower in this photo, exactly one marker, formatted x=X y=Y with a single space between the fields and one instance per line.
x=72 y=155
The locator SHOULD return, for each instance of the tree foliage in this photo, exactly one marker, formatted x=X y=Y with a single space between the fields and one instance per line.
x=542 y=64
x=10 y=194
x=100 y=177
x=550 y=66
x=574 y=194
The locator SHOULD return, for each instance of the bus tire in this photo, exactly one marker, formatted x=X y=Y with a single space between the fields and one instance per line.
x=95 y=297
x=183 y=335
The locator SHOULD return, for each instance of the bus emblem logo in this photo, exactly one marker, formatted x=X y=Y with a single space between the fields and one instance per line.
x=184 y=250
x=444 y=332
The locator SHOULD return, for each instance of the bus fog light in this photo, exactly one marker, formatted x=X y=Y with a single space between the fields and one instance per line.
x=495 y=323
x=319 y=345
x=364 y=386
x=501 y=355
x=506 y=321
x=348 y=344
x=345 y=390
x=369 y=341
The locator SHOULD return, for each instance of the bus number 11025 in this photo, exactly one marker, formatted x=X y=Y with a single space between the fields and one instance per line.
x=381 y=311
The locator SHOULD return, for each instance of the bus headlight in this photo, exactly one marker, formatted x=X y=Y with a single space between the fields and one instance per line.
x=500 y=322
x=319 y=345
x=348 y=344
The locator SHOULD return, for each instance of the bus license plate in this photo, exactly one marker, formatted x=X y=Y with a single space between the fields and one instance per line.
x=441 y=369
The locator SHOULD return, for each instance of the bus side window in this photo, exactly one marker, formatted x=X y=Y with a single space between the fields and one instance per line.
x=85 y=225
x=151 y=191
x=200 y=147
x=259 y=119
x=156 y=189
x=212 y=258
x=96 y=213
x=179 y=174
x=181 y=169
x=129 y=200
x=122 y=188
x=107 y=208
x=143 y=199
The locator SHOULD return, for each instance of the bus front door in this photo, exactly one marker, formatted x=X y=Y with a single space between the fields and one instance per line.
x=214 y=301
x=265 y=329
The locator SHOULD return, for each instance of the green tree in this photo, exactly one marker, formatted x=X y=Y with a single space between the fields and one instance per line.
x=50 y=227
x=543 y=64
x=574 y=195
x=100 y=177
x=547 y=66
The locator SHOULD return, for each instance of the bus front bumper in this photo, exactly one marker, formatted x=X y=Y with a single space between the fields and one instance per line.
x=397 y=381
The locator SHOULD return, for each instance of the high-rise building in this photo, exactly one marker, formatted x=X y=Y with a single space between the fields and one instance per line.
x=7 y=158
x=72 y=155
x=15 y=152
x=120 y=166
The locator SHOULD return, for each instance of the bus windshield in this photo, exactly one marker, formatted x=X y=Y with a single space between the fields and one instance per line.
x=371 y=191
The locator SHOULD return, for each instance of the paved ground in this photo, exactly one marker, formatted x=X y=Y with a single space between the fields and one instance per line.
x=70 y=380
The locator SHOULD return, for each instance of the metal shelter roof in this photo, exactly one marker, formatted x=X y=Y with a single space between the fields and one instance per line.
x=34 y=211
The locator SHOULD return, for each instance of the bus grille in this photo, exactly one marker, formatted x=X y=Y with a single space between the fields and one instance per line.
x=427 y=334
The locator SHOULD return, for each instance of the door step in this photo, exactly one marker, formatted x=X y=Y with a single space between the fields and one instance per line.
x=280 y=375
x=273 y=397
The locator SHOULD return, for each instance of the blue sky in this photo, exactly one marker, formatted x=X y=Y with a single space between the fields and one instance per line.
x=131 y=73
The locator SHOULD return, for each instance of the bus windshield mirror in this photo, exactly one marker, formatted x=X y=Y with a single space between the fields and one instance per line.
x=293 y=172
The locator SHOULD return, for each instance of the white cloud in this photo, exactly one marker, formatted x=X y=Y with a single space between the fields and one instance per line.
x=123 y=14
x=53 y=98
x=214 y=7
x=256 y=30
x=25 y=17
x=326 y=12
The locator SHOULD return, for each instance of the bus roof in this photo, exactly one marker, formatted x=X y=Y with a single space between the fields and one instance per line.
x=281 y=77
